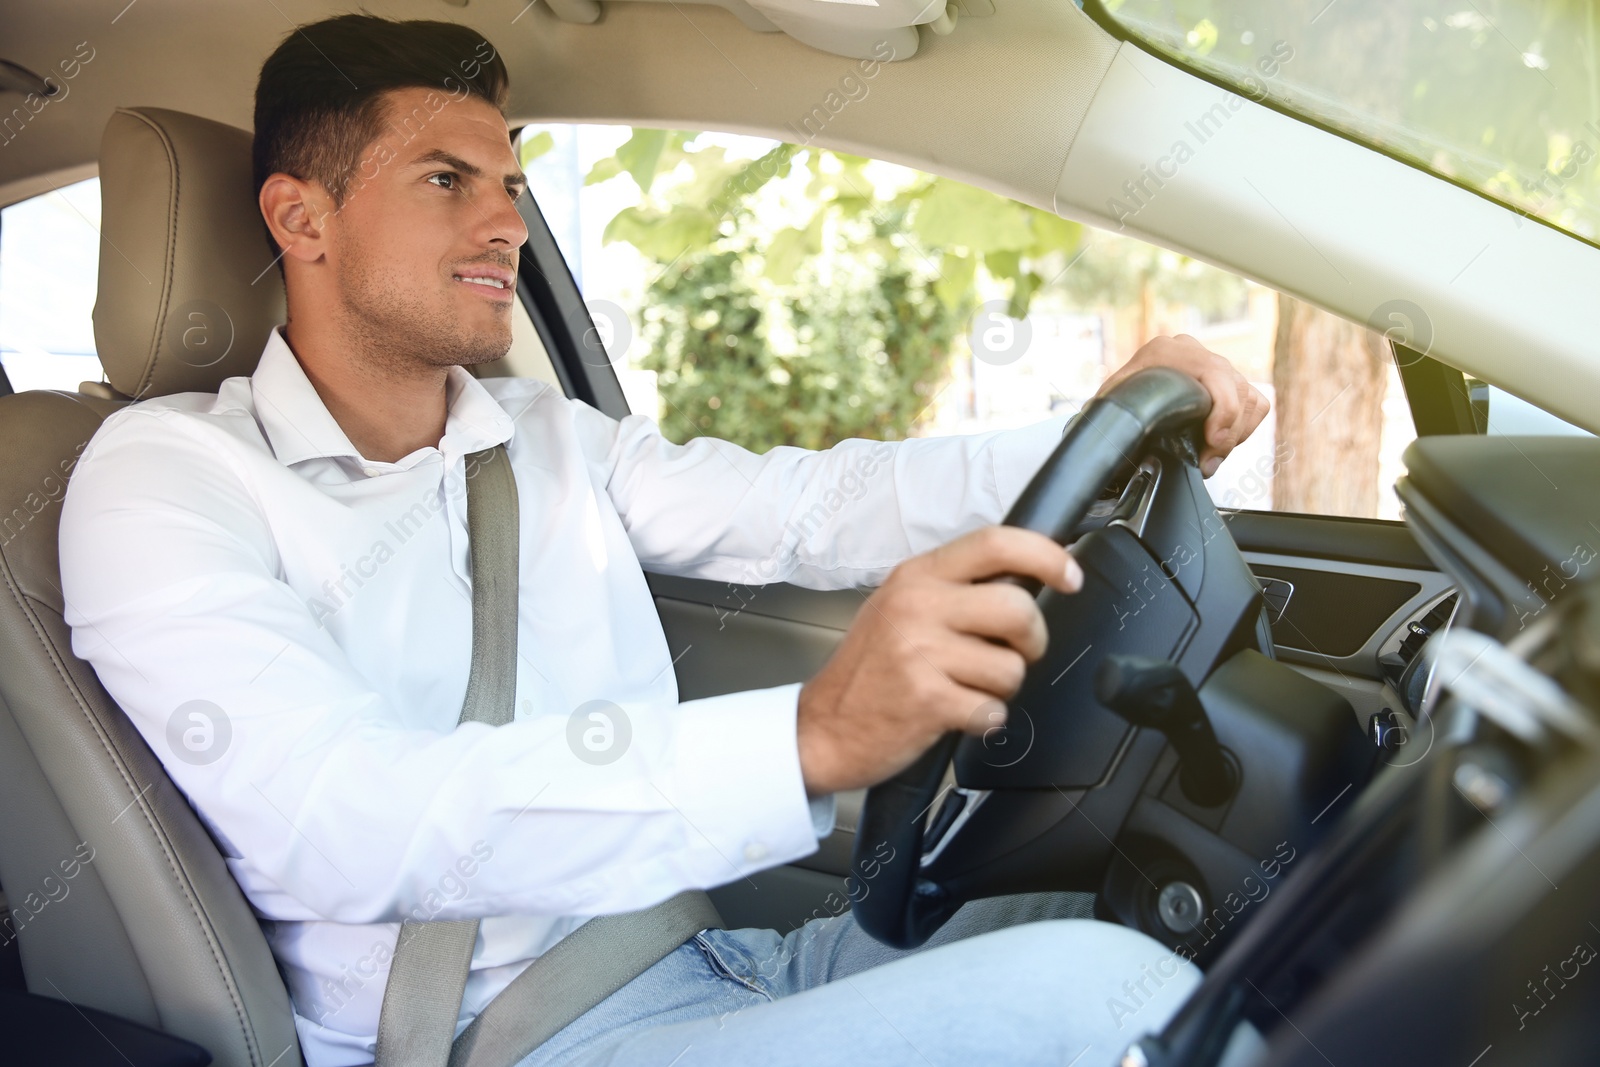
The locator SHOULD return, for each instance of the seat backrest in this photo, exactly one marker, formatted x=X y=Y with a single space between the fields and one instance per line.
x=121 y=899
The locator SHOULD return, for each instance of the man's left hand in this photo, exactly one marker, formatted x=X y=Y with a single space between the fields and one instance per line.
x=1237 y=407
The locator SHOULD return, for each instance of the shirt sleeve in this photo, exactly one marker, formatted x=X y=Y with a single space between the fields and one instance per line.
x=325 y=803
x=830 y=519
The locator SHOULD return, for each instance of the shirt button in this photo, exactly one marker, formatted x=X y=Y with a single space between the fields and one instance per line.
x=755 y=852
x=369 y=471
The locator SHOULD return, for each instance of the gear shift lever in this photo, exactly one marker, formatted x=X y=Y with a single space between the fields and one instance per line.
x=1154 y=693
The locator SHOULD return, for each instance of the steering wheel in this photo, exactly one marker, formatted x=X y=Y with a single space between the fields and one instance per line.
x=1157 y=755
x=899 y=905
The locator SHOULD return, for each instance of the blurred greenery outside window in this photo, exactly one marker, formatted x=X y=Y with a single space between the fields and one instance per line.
x=771 y=293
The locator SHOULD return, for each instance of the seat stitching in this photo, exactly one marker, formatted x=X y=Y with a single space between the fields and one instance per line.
x=163 y=305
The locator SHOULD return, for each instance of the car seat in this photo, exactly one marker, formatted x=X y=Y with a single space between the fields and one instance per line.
x=151 y=927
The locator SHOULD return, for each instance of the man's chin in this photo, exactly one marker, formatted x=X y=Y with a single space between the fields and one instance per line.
x=482 y=348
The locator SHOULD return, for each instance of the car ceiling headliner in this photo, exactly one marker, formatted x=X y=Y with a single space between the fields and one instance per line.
x=996 y=102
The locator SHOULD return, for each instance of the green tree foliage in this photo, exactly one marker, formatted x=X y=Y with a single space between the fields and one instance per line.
x=1503 y=95
x=801 y=299
x=869 y=354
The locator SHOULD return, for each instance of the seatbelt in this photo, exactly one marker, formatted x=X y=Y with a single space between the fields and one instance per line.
x=581 y=970
x=428 y=974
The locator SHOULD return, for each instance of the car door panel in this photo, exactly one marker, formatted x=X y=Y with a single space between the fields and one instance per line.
x=721 y=651
x=726 y=638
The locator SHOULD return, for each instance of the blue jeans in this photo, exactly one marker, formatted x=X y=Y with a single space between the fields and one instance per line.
x=1025 y=979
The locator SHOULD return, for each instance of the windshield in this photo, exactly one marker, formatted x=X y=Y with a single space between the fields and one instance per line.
x=1499 y=95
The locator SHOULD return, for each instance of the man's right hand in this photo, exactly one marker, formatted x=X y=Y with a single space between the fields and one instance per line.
x=935 y=648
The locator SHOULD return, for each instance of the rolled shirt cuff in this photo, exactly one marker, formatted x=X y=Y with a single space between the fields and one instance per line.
x=1019 y=453
x=824 y=813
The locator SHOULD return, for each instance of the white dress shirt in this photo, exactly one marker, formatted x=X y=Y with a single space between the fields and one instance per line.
x=289 y=626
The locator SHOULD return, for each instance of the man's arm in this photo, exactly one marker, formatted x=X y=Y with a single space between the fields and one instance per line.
x=848 y=515
x=936 y=647
x=831 y=519
x=330 y=807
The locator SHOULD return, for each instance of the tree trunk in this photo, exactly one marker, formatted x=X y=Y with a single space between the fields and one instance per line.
x=1329 y=377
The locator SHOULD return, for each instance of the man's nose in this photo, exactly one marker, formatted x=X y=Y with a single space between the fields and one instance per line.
x=502 y=225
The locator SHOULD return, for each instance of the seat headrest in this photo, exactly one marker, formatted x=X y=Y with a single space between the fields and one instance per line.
x=188 y=289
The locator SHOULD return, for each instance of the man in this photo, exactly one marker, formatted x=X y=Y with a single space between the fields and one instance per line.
x=274 y=582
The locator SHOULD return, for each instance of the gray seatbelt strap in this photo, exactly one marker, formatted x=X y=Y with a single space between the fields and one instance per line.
x=432 y=959
x=581 y=970
x=428 y=974
x=422 y=1001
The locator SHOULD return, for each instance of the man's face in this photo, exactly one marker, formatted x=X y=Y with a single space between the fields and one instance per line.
x=424 y=248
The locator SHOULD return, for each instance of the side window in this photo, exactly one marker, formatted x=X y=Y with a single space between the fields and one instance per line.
x=772 y=293
x=49 y=270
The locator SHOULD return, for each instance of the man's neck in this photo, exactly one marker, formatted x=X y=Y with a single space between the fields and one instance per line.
x=387 y=409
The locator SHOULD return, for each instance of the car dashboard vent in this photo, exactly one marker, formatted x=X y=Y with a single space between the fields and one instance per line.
x=1418 y=631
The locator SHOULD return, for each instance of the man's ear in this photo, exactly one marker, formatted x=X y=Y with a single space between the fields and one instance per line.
x=299 y=214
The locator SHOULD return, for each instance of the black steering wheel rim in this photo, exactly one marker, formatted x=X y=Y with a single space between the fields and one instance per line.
x=892 y=902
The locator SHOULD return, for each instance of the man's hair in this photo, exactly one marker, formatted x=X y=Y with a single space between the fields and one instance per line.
x=320 y=97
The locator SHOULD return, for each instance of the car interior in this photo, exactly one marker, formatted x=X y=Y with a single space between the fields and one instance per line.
x=1345 y=764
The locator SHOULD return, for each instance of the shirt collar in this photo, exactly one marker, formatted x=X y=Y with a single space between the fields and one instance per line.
x=299 y=426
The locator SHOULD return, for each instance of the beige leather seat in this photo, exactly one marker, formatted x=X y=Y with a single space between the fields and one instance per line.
x=153 y=927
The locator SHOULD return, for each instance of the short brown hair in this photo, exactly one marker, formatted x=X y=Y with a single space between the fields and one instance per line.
x=319 y=99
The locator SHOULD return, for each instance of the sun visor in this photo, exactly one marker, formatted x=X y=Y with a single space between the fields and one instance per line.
x=881 y=30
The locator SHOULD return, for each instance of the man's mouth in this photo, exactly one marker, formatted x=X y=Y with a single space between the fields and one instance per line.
x=497 y=281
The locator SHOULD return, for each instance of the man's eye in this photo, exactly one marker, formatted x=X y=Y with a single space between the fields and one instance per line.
x=450 y=178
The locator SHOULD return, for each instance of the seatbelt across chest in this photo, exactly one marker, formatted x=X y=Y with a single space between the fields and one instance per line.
x=428 y=974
